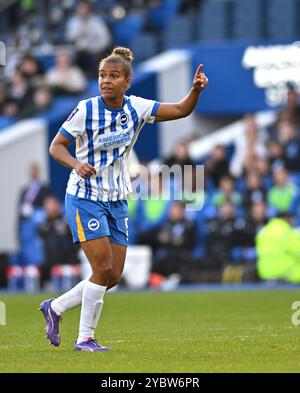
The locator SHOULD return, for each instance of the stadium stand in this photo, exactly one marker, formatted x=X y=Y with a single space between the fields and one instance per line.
x=248 y=180
x=248 y=19
x=283 y=13
x=214 y=20
x=126 y=29
x=183 y=24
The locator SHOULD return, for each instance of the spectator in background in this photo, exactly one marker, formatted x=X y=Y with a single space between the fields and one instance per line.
x=259 y=216
x=291 y=112
x=57 y=239
x=3 y=95
x=248 y=146
x=90 y=36
x=190 y=6
x=283 y=195
x=20 y=91
x=256 y=220
x=220 y=238
x=287 y=137
x=10 y=108
x=226 y=192
x=34 y=193
x=243 y=250
x=276 y=156
x=278 y=249
x=217 y=165
x=65 y=78
x=173 y=242
x=262 y=167
x=255 y=191
x=42 y=101
x=31 y=70
x=180 y=156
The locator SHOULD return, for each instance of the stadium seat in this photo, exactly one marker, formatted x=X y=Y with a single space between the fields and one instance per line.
x=248 y=19
x=15 y=278
x=64 y=277
x=183 y=24
x=144 y=46
x=46 y=61
x=201 y=233
x=283 y=18
x=240 y=185
x=31 y=247
x=4 y=21
x=129 y=27
x=198 y=252
x=210 y=212
x=104 y=4
x=214 y=20
x=6 y=121
x=160 y=16
x=295 y=178
x=249 y=254
x=236 y=254
x=58 y=35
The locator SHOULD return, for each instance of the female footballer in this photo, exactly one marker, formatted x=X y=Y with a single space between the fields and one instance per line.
x=105 y=129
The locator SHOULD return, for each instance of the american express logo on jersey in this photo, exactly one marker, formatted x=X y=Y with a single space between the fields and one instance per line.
x=115 y=140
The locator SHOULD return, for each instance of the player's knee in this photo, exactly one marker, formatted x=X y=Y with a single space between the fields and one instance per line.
x=114 y=280
x=103 y=268
x=102 y=274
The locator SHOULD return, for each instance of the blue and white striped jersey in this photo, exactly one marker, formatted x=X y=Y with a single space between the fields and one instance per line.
x=104 y=138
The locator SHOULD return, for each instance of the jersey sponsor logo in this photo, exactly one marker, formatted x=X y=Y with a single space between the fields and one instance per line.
x=93 y=224
x=124 y=119
x=119 y=139
x=72 y=114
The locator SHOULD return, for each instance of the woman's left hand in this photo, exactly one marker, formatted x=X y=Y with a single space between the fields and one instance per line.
x=200 y=80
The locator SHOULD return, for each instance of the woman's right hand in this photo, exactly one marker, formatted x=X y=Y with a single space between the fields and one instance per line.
x=85 y=170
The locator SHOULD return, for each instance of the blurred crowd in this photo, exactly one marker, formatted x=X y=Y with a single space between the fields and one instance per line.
x=246 y=186
x=79 y=33
x=30 y=90
x=28 y=23
x=208 y=235
x=251 y=185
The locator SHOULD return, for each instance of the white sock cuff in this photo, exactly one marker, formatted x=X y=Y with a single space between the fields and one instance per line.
x=96 y=287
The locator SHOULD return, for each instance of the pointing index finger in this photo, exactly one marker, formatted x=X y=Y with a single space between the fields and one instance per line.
x=199 y=69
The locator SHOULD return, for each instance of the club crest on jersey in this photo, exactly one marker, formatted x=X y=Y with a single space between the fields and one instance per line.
x=93 y=224
x=72 y=114
x=124 y=119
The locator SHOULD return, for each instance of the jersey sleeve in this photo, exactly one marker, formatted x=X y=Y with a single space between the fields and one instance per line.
x=74 y=126
x=147 y=108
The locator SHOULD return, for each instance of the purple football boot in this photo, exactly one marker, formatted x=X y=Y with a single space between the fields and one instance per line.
x=52 y=322
x=90 y=345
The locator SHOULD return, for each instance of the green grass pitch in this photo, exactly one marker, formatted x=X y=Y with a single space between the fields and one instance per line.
x=161 y=332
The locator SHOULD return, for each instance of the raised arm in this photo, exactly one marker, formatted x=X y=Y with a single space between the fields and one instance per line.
x=59 y=151
x=186 y=106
